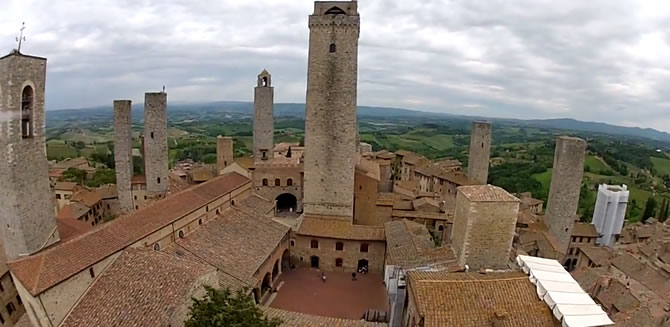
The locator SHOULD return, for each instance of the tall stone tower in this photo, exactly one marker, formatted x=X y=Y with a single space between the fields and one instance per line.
x=480 y=151
x=330 y=124
x=224 y=152
x=484 y=226
x=26 y=210
x=566 y=182
x=155 y=144
x=123 y=153
x=263 y=117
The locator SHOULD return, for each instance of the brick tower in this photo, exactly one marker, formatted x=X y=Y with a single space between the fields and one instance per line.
x=330 y=124
x=224 y=152
x=155 y=144
x=26 y=207
x=263 y=117
x=123 y=153
x=480 y=151
x=566 y=183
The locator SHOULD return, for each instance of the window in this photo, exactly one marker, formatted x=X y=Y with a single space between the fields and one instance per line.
x=181 y=234
x=145 y=197
x=338 y=262
x=2 y=289
x=91 y=272
x=225 y=163
x=158 y=180
x=333 y=48
x=314 y=244
x=364 y=247
x=232 y=202
x=157 y=247
x=440 y=228
x=10 y=308
x=18 y=299
x=58 y=196
x=27 y=98
x=135 y=197
x=137 y=207
x=207 y=208
x=152 y=135
x=292 y=242
x=218 y=211
x=289 y=182
x=200 y=221
x=265 y=81
x=277 y=182
x=265 y=182
x=339 y=246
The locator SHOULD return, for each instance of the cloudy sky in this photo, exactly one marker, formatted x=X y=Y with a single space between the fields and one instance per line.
x=599 y=60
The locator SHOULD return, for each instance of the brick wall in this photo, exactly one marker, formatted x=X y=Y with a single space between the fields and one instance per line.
x=365 y=200
x=301 y=252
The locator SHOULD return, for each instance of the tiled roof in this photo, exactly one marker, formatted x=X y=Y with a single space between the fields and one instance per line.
x=69 y=228
x=245 y=162
x=368 y=168
x=486 y=193
x=459 y=178
x=66 y=186
x=585 y=229
x=141 y=288
x=201 y=174
x=87 y=198
x=473 y=300
x=107 y=191
x=74 y=210
x=383 y=154
x=24 y=321
x=46 y=269
x=646 y=275
x=296 y=319
x=600 y=255
x=409 y=244
x=587 y=278
x=321 y=226
x=256 y=205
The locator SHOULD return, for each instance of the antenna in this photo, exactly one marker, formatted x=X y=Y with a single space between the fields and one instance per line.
x=163 y=88
x=21 y=38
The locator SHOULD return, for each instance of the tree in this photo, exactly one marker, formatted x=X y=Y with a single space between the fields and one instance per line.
x=649 y=209
x=74 y=175
x=222 y=308
x=102 y=177
x=661 y=208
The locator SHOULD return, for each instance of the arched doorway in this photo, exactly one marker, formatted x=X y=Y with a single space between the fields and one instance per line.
x=285 y=261
x=266 y=285
x=362 y=265
x=275 y=270
x=257 y=295
x=287 y=203
x=314 y=262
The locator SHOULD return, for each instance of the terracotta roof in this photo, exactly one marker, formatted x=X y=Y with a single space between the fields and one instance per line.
x=245 y=162
x=383 y=154
x=140 y=179
x=584 y=229
x=368 y=168
x=420 y=202
x=322 y=226
x=107 y=191
x=406 y=184
x=74 y=210
x=598 y=254
x=154 y=286
x=87 y=198
x=403 y=205
x=24 y=321
x=473 y=299
x=70 y=228
x=56 y=172
x=46 y=269
x=201 y=174
x=617 y=295
x=66 y=186
x=587 y=278
x=486 y=193
x=296 y=319
x=459 y=178
x=256 y=205
x=176 y=183
x=412 y=158
x=409 y=244
x=644 y=274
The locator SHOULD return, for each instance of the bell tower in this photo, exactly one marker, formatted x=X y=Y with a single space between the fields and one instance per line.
x=263 y=117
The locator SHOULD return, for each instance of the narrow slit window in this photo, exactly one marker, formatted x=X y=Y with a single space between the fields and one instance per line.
x=333 y=48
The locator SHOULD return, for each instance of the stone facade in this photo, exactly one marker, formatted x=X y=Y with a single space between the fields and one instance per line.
x=484 y=226
x=267 y=175
x=9 y=301
x=27 y=211
x=224 y=152
x=155 y=144
x=123 y=153
x=263 y=117
x=328 y=253
x=480 y=151
x=330 y=124
x=566 y=182
x=365 y=200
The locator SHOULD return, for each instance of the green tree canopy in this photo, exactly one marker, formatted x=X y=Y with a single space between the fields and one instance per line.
x=649 y=209
x=74 y=175
x=224 y=308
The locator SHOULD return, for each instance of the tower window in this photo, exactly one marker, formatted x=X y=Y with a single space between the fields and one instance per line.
x=91 y=272
x=181 y=234
x=27 y=105
x=158 y=180
x=333 y=48
x=289 y=182
x=265 y=182
x=314 y=244
x=264 y=81
x=335 y=11
x=277 y=182
x=152 y=135
x=157 y=247
x=364 y=247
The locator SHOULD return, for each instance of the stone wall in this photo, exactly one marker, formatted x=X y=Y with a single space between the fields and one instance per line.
x=365 y=200
x=480 y=151
x=271 y=173
x=26 y=211
x=155 y=144
x=263 y=117
x=123 y=153
x=330 y=123
x=566 y=182
x=301 y=252
x=224 y=152
x=7 y=296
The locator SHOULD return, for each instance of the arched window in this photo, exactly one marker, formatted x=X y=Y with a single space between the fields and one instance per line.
x=339 y=246
x=27 y=106
x=157 y=247
x=289 y=182
x=181 y=234
x=265 y=182
x=314 y=244
x=277 y=182
x=333 y=48
x=338 y=262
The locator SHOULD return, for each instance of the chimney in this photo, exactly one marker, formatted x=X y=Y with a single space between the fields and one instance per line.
x=499 y=318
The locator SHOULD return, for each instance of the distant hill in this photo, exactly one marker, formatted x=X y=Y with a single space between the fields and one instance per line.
x=245 y=109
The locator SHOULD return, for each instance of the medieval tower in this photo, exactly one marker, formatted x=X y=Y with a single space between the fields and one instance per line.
x=263 y=117
x=155 y=144
x=330 y=123
x=224 y=152
x=566 y=183
x=123 y=153
x=480 y=151
x=26 y=210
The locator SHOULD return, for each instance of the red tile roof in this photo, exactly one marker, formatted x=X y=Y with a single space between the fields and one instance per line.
x=296 y=319
x=322 y=226
x=46 y=269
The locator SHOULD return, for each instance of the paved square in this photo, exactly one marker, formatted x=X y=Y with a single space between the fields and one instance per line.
x=340 y=297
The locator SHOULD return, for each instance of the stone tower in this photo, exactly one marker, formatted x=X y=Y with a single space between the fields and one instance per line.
x=26 y=208
x=224 y=152
x=566 y=183
x=480 y=151
x=484 y=226
x=263 y=117
x=123 y=153
x=330 y=123
x=155 y=144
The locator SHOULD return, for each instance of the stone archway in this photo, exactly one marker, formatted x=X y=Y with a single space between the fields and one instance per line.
x=287 y=203
x=285 y=261
x=275 y=270
x=266 y=286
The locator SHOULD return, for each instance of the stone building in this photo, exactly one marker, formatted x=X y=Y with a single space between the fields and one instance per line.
x=155 y=144
x=566 y=183
x=366 y=185
x=280 y=180
x=224 y=152
x=123 y=153
x=480 y=151
x=404 y=164
x=64 y=192
x=263 y=117
x=484 y=226
x=27 y=212
x=330 y=123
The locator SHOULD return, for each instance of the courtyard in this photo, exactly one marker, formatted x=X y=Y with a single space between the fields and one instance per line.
x=302 y=290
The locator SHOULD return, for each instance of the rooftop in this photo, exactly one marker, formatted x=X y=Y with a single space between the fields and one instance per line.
x=585 y=230
x=486 y=193
x=296 y=319
x=66 y=186
x=87 y=198
x=409 y=244
x=321 y=226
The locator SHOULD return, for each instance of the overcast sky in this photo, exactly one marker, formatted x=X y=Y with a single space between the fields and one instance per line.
x=598 y=60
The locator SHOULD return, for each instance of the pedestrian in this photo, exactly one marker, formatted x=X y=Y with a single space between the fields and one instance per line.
x=353 y=276
x=323 y=277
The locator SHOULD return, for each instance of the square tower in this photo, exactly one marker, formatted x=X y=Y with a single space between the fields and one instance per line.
x=155 y=144
x=484 y=226
x=26 y=208
x=123 y=153
x=480 y=151
x=224 y=152
x=264 y=128
x=330 y=123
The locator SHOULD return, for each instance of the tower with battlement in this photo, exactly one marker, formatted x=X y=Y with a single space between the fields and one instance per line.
x=224 y=152
x=123 y=153
x=566 y=183
x=480 y=151
x=155 y=144
x=263 y=117
x=330 y=123
x=26 y=207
